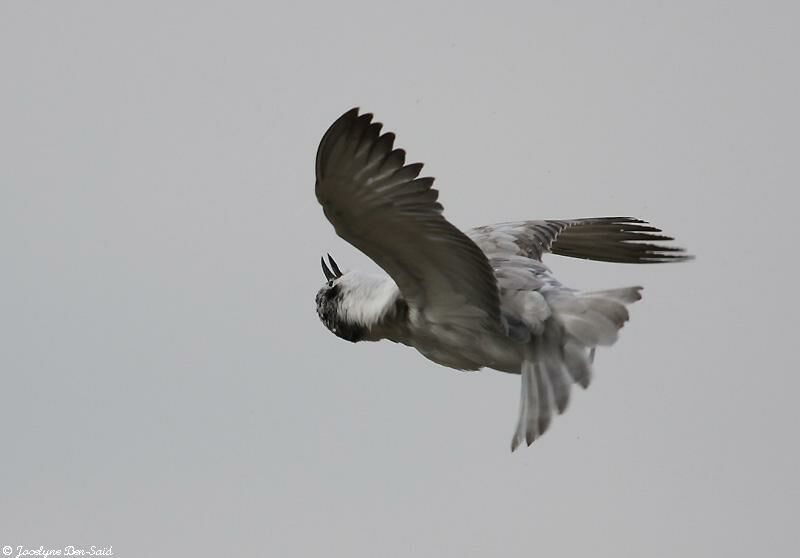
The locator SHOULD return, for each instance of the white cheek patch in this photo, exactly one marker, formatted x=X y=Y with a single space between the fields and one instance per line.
x=366 y=299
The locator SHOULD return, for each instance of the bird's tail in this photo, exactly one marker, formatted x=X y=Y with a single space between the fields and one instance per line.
x=563 y=354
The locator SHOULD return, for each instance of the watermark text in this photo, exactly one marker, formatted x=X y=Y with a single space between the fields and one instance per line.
x=21 y=551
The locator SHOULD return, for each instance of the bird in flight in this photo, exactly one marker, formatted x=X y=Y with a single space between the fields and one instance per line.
x=480 y=298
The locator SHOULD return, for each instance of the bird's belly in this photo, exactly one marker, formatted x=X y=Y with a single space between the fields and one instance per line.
x=469 y=350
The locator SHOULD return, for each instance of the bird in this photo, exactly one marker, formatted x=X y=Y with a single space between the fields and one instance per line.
x=473 y=299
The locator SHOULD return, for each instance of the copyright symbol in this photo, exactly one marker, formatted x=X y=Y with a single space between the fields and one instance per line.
x=7 y=550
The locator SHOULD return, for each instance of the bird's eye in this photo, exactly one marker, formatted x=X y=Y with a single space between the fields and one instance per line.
x=330 y=283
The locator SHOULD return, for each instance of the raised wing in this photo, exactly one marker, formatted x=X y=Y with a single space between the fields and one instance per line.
x=605 y=239
x=378 y=204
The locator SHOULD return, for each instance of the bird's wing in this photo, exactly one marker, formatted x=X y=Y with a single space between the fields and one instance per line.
x=378 y=204
x=606 y=239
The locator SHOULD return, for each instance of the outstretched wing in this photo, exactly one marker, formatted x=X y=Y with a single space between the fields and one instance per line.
x=378 y=204
x=605 y=239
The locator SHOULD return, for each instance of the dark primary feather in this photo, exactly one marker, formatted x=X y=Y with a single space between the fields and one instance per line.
x=379 y=204
x=606 y=239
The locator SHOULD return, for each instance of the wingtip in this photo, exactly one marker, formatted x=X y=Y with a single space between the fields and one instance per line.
x=355 y=113
x=347 y=117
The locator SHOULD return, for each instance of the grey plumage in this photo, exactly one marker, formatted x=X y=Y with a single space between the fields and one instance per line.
x=474 y=299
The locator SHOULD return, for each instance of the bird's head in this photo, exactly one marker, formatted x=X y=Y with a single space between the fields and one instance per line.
x=334 y=299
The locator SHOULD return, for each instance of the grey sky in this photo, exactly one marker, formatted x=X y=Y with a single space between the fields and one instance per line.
x=167 y=388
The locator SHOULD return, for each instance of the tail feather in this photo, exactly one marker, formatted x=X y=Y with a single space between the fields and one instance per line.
x=544 y=415
x=552 y=361
x=625 y=295
x=578 y=363
x=528 y=405
x=591 y=330
x=563 y=354
x=595 y=318
x=559 y=382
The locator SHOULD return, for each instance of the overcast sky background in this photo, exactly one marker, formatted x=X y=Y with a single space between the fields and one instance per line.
x=167 y=388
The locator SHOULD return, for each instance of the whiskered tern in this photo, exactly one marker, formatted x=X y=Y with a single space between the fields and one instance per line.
x=481 y=298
